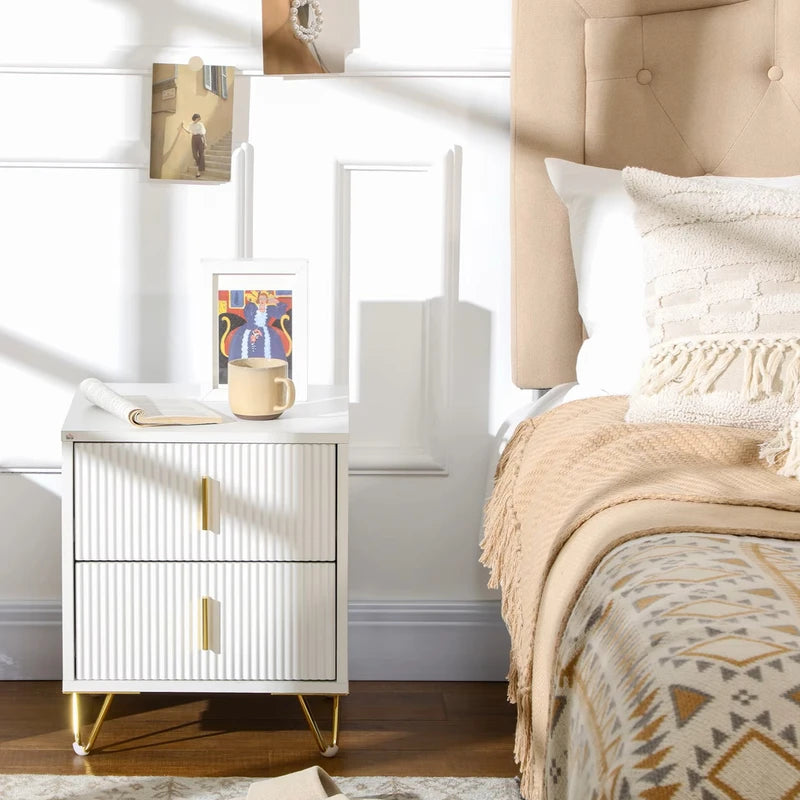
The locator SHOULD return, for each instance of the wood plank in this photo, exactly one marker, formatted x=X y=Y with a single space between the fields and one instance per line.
x=387 y=728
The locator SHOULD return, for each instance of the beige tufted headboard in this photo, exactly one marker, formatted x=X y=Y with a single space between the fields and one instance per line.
x=681 y=86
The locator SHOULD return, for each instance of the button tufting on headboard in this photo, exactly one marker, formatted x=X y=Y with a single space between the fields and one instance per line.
x=775 y=73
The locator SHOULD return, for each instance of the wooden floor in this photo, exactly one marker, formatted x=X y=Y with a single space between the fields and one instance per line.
x=458 y=729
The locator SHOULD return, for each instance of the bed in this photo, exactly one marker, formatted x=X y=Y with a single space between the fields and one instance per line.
x=650 y=575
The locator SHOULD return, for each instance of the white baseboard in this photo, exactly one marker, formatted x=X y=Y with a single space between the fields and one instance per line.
x=30 y=640
x=455 y=641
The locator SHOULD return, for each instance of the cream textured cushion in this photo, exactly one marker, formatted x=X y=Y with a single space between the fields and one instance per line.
x=722 y=299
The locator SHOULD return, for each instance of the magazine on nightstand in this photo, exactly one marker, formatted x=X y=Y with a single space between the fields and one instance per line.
x=147 y=410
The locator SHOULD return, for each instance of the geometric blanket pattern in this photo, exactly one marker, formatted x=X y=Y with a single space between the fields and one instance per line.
x=152 y=787
x=678 y=675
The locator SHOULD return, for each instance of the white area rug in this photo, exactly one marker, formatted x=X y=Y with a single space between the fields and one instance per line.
x=121 y=787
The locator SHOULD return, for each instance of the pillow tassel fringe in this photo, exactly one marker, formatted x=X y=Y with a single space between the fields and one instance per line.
x=718 y=362
x=695 y=366
x=791 y=373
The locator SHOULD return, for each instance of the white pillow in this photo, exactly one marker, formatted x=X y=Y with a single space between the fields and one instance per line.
x=607 y=252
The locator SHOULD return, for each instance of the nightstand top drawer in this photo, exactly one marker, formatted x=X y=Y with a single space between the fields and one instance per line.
x=322 y=418
x=146 y=501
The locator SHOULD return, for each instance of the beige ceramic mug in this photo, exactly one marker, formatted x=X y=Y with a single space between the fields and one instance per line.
x=258 y=388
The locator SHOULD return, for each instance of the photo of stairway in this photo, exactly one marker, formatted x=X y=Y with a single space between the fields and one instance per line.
x=218 y=162
x=192 y=122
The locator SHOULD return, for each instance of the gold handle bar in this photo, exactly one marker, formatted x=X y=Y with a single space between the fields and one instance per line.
x=204 y=613
x=205 y=509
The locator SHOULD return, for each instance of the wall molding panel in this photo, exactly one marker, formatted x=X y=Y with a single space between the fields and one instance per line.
x=132 y=61
x=458 y=641
x=25 y=69
x=77 y=164
x=99 y=120
x=243 y=182
x=425 y=453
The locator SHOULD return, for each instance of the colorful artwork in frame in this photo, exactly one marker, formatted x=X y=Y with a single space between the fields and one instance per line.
x=251 y=308
x=254 y=323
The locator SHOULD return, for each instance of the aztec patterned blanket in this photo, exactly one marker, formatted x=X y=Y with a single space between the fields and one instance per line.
x=573 y=485
x=678 y=675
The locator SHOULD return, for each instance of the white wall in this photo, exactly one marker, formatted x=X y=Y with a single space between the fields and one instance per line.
x=404 y=199
x=393 y=185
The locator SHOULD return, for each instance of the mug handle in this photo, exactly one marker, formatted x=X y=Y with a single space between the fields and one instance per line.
x=288 y=383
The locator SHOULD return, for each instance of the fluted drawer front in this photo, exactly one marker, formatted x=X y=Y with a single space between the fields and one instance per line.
x=265 y=621
x=265 y=502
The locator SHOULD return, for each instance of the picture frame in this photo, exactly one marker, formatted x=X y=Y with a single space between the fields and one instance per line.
x=255 y=307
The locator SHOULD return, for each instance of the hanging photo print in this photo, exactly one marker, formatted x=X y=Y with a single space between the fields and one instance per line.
x=301 y=37
x=191 y=123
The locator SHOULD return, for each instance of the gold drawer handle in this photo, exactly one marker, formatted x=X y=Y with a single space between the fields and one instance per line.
x=205 y=505
x=205 y=637
x=209 y=504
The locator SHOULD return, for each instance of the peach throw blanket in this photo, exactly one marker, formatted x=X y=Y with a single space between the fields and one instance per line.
x=563 y=468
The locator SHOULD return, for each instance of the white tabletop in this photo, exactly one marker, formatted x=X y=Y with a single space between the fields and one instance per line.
x=323 y=417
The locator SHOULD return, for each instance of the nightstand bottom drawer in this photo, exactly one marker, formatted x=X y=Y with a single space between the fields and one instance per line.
x=205 y=621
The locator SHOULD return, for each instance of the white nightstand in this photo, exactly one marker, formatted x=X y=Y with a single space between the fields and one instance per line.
x=209 y=558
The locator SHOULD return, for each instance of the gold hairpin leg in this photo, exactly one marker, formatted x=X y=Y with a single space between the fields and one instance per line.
x=328 y=751
x=80 y=748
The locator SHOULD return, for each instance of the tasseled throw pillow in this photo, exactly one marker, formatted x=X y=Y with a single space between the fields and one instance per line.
x=722 y=271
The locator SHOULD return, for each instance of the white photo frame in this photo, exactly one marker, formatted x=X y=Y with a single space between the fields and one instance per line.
x=229 y=287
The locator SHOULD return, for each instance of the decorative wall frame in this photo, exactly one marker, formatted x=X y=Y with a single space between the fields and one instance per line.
x=255 y=307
